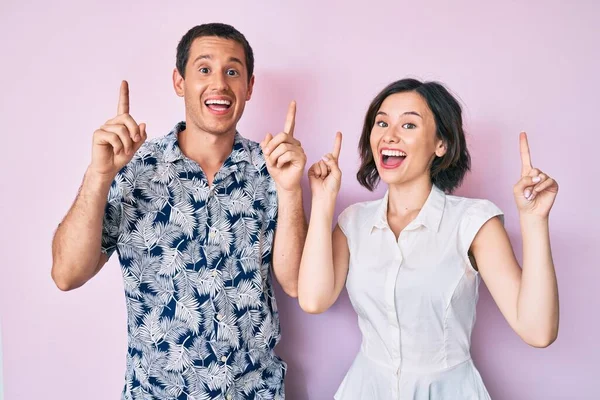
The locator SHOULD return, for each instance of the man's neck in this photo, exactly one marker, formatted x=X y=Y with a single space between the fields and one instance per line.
x=209 y=150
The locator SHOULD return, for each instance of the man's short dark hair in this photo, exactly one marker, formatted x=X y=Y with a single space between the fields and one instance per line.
x=217 y=29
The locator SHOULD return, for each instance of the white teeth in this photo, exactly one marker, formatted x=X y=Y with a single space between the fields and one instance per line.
x=393 y=153
x=221 y=102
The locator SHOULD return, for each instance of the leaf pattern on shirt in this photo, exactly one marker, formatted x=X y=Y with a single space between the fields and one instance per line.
x=195 y=260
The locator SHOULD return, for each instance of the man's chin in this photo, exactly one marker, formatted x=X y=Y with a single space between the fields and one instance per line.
x=220 y=130
x=217 y=128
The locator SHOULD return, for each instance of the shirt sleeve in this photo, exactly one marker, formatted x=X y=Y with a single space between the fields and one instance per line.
x=272 y=214
x=113 y=213
x=345 y=222
x=474 y=218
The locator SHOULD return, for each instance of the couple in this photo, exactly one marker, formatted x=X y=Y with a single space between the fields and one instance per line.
x=202 y=216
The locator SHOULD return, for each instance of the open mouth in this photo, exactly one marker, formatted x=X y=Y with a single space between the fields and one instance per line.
x=218 y=106
x=392 y=158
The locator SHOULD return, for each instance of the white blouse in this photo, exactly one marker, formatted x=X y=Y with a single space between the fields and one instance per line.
x=415 y=298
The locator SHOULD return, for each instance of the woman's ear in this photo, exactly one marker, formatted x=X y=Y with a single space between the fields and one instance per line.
x=441 y=149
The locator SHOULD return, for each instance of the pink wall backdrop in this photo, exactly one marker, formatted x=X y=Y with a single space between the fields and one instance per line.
x=516 y=65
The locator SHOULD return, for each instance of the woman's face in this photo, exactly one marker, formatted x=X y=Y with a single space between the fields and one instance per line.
x=403 y=139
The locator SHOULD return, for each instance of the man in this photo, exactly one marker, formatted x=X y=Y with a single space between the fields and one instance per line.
x=192 y=216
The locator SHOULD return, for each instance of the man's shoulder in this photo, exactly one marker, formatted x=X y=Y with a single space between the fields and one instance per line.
x=147 y=158
x=250 y=146
x=248 y=150
x=248 y=143
x=157 y=150
x=160 y=144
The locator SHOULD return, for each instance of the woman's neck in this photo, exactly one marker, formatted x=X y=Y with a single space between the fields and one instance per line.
x=409 y=197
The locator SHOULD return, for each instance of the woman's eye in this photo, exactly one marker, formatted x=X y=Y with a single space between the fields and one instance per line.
x=409 y=126
x=381 y=124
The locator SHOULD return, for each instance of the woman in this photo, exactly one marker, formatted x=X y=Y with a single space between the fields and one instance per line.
x=412 y=261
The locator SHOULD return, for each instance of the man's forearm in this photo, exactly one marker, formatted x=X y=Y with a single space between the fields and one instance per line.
x=289 y=240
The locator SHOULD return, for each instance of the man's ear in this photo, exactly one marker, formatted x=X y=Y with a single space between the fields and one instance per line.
x=178 y=83
x=250 y=88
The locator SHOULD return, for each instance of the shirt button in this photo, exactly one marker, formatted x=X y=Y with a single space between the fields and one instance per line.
x=219 y=317
x=229 y=397
x=214 y=273
x=224 y=359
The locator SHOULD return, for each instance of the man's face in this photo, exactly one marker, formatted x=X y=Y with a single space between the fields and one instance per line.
x=216 y=86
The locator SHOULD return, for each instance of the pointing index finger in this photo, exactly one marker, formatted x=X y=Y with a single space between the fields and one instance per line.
x=525 y=154
x=123 y=107
x=338 y=145
x=290 y=121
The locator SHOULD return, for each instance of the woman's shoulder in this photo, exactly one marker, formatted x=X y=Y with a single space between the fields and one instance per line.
x=462 y=207
x=363 y=207
x=358 y=213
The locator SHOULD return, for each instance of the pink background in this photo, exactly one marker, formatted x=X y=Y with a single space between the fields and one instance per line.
x=516 y=66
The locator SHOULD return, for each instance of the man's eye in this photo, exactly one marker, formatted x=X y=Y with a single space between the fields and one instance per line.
x=232 y=72
x=204 y=70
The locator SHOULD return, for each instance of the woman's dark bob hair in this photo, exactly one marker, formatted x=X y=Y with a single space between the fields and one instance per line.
x=447 y=172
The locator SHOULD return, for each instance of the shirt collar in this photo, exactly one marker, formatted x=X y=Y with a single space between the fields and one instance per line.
x=171 y=152
x=430 y=215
